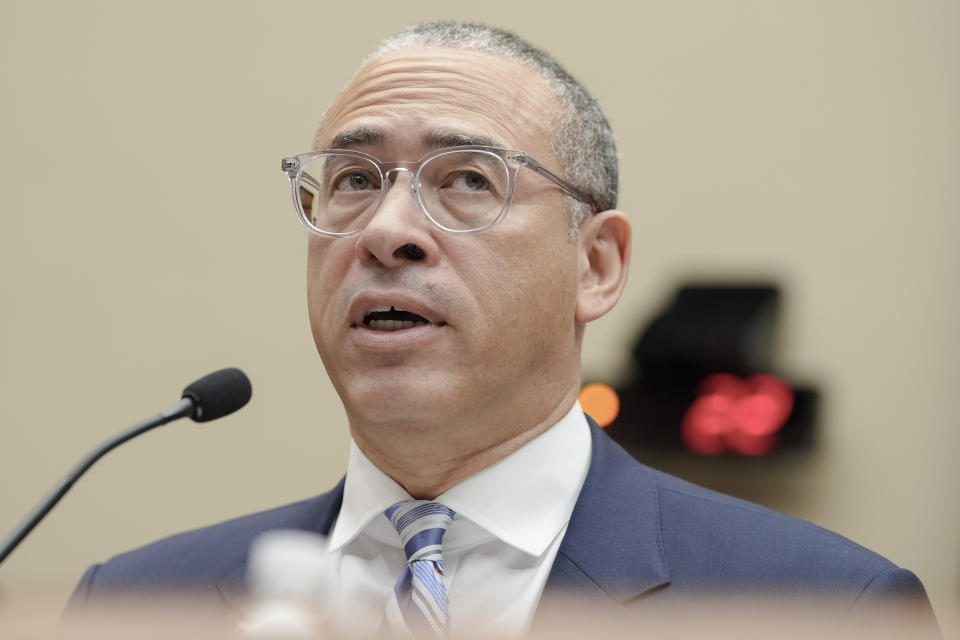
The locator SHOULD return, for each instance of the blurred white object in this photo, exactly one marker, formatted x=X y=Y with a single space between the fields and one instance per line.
x=288 y=576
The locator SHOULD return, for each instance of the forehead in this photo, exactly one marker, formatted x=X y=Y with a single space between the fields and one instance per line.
x=410 y=94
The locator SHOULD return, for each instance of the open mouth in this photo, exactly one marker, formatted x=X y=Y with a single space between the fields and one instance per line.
x=393 y=319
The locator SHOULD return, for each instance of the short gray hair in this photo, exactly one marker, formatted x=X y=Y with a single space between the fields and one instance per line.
x=583 y=141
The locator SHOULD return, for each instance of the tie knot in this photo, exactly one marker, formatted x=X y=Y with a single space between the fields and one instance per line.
x=421 y=525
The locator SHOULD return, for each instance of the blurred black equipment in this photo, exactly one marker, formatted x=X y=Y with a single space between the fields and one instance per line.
x=703 y=377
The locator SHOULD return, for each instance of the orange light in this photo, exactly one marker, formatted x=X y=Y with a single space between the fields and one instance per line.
x=601 y=402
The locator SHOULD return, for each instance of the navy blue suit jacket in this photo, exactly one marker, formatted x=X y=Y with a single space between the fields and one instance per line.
x=636 y=535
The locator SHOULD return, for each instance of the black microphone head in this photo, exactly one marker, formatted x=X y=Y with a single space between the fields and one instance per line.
x=218 y=394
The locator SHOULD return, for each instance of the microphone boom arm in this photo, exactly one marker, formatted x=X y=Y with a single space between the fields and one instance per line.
x=182 y=409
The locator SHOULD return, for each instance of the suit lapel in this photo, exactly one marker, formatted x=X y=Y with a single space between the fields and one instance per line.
x=612 y=545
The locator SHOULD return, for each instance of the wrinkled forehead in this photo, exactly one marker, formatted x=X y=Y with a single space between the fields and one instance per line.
x=409 y=92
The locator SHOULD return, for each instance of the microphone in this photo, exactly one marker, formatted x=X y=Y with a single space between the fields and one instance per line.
x=218 y=394
x=213 y=396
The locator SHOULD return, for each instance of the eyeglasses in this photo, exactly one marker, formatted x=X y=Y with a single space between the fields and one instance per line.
x=459 y=189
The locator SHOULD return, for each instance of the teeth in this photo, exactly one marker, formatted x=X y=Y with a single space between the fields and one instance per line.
x=391 y=318
x=392 y=325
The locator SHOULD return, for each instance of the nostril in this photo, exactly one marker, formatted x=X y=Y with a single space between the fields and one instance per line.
x=410 y=251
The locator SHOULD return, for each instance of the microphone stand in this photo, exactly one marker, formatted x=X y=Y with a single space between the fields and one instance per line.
x=182 y=409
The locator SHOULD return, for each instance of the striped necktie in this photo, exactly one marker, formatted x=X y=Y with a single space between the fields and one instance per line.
x=418 y=604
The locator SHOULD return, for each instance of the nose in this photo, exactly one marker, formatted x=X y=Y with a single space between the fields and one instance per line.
x=398 y=233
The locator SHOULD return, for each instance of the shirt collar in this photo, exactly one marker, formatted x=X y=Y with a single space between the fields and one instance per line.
x=524 y=499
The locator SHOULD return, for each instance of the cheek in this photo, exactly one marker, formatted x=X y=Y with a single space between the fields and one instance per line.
x=324 y=273
x=530 y=285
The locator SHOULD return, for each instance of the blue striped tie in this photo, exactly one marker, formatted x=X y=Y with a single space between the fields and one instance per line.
x=418 y=605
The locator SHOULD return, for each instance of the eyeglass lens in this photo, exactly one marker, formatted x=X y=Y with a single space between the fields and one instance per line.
x=460 y=190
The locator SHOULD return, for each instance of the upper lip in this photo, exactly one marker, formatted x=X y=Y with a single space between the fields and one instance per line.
x=368 y=301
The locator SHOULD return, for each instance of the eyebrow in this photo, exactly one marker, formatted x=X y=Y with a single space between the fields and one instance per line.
x=440 y=138
x=436 y=139
x=356 y=137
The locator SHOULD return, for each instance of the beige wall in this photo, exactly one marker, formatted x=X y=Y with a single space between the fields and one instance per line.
x=146 y=238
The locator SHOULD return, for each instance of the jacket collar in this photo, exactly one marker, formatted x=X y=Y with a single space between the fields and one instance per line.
x=612 y=546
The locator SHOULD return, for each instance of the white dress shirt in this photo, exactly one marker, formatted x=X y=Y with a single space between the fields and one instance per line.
x=496 y=555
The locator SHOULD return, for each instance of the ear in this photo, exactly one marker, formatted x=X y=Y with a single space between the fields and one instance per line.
x=604 y=260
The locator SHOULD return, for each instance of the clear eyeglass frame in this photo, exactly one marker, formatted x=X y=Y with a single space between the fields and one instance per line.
x=512 y=160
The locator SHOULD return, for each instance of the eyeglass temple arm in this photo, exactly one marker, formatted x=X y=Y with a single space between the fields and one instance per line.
x=567 y=188
x=290 y=167
x=305 y=177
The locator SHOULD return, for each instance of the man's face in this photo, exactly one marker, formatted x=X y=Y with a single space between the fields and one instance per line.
x=501 y=344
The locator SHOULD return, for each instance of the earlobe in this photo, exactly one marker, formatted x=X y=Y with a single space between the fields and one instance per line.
x=604 y=259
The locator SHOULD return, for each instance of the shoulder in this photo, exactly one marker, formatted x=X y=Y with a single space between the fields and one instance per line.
x=209 y=554
x=715 y=543
x=708 y=536
x=708 y=539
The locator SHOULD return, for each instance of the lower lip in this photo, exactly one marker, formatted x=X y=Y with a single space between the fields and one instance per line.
x=415 y=336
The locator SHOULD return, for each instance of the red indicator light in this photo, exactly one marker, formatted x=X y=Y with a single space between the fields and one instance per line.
x=736 y=414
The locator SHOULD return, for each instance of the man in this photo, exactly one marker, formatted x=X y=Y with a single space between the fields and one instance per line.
x=461 y=204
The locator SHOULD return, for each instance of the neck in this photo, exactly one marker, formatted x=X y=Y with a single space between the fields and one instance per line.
x=427 y=459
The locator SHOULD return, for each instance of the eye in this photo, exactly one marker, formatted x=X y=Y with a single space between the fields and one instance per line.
x=468 y=181
x=354 y=181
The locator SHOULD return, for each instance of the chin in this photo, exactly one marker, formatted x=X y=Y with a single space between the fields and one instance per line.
x=410 y=401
